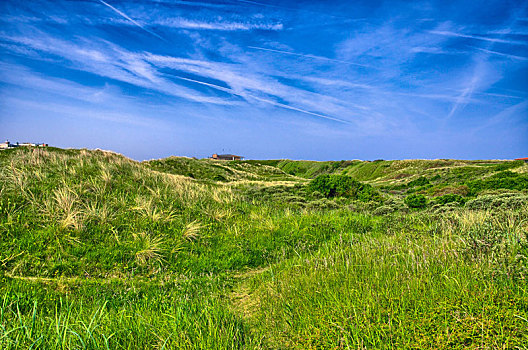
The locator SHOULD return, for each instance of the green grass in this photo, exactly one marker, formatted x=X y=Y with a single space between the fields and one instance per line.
x=393 y=289
x=214 y=170
x=101 y=252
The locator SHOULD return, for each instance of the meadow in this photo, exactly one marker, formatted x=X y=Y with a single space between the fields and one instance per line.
x=98 y=251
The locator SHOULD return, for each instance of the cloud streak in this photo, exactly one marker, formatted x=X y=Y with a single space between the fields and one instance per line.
x=477 y=37
x=307 y=56
x=515 y=57
x=124 y=15
x=273 y=103
x=184 y=23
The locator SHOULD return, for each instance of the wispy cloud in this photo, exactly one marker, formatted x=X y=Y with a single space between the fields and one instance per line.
x=124 y=15
x=282 y=105
x=466 y=94
x=477 y=37
x=268 y=101
x=246 y=83
x=108 y=60
x=307 y=56
x=216 y=25
x=515 y=57
x=339 y=83
x=111 y=61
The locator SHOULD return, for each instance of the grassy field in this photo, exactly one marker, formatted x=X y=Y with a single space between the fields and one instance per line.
x=98 y=251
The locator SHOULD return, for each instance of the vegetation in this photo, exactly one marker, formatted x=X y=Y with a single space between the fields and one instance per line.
x=416 y=201
x=342 y=186
x=101 y=252
x=504 y=179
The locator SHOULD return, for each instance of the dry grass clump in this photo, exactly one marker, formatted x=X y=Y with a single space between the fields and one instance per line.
x=106 y=176
x=150 y=210
x=223 y=195
x=181 y=187
x=220 y=213
x=191 y=231
x=63 y=207
x=99 y=212
x=151 y=248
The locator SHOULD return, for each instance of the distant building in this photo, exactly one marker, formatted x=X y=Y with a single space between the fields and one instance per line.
x=7 y=144
x=31 y=144
x=226 y=157
x=523 y=159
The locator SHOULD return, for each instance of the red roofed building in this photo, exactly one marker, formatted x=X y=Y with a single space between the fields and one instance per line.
x=226 y=157
x=524 y=159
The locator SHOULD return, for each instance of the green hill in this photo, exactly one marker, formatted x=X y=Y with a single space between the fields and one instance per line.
x=207 y=169
x=100 y=251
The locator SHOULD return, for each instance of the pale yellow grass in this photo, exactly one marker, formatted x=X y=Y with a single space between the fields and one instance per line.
x=191 y=231
x=151 y=248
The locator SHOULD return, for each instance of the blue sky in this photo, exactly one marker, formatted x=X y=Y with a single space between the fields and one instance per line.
x=268 y=79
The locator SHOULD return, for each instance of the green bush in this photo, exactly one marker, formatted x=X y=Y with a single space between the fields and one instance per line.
x=450 y=198
x=503 y=201
x=505 y=179
x=416 y=201
x=388 y=209
x=421 y=181
x=444 y=208
x=509 y=165
x=322 y=204
x=343 y=186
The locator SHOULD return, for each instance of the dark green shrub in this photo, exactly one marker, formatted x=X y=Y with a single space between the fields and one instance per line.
x=368 y=193
x=450 y=198
x=444 y=208
x=343 y=186
x=436 y=177
x=421 y=181
x=416 y=201
x=509 y=165
x=505 y=179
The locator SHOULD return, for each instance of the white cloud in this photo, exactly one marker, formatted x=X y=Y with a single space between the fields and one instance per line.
x=184 y=23
x=477 y=37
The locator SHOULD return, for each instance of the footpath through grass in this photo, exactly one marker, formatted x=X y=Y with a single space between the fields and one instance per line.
x=101 y=252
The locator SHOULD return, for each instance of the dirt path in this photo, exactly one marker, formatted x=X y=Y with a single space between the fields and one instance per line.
x=244 y=302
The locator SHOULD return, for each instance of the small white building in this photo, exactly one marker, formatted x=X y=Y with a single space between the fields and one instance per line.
x=5 y=145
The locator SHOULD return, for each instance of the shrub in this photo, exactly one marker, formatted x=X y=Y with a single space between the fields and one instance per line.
x=450 y=198
x=416 y=201
x=508 y=165
x=421 y=181
x=505 y=179
x=322 y=204
x=317 y=195
x=444 y=208
x=387 y=209
x=343 y=186
x=504 y=201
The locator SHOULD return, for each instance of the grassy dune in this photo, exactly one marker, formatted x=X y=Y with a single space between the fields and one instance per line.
x=101 y=252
